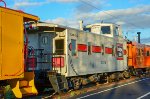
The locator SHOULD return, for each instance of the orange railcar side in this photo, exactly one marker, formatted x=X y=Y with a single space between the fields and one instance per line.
x=147 y=56
x=136 y=55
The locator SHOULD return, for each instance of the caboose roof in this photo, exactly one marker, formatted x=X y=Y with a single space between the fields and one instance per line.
x=51 y=27
x=26 y=16
x=99 y=24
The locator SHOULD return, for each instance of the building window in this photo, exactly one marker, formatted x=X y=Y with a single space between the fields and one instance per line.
x=105 y=30
x=59 y=46
x=89 y=48
x=74 y=47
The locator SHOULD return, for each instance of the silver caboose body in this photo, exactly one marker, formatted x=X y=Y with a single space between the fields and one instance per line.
x=98 y=48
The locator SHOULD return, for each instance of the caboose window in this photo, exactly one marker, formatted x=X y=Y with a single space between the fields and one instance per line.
x=103 y=48
x=59 y=46
x=138 y=53
x=147 y=53
x=105 y=30
x=74 y=47
x=116 y=31
x=89 y=48
x=113 y=50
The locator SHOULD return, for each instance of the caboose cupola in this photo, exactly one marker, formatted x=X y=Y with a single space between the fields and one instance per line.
x=107 y=29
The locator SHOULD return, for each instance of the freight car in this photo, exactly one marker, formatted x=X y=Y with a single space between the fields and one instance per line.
x=138 y=57
x=73 y=57
x=15 y=77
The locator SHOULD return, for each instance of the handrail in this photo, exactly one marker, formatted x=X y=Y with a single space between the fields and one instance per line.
x=26 y=42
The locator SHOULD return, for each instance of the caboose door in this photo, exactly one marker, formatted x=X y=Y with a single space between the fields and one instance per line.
x=58 y=59
x=46 y=43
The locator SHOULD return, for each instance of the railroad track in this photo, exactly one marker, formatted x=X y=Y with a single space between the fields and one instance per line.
x=89 y=88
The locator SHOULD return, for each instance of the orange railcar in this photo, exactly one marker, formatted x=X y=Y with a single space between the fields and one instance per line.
x=138 y=56
x=147 y=56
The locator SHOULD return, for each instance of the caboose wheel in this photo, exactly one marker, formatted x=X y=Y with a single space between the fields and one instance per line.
x=126 y=74
x=76 y=84
x=109 y=80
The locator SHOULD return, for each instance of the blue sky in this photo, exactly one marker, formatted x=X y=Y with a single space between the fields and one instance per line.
x=133 y=15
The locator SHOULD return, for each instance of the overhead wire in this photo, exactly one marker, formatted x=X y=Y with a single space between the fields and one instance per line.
x=106 y=12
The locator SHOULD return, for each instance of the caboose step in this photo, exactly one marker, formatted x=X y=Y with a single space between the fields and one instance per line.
x=23 y=86
x=23 y=83
x=27 y=90
x=58 y=81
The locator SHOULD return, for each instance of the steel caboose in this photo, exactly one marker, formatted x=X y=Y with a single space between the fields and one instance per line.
x=81 y=56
